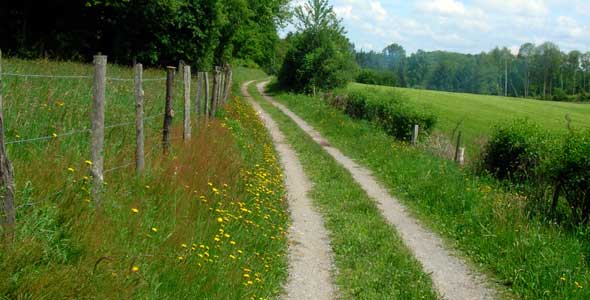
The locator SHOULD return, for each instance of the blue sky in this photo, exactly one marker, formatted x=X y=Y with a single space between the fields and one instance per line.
x=467 y=26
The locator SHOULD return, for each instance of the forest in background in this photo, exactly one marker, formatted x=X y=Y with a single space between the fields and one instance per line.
x=537 y=71
x=154 y=32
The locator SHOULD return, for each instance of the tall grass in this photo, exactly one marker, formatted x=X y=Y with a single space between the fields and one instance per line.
x=206 y=221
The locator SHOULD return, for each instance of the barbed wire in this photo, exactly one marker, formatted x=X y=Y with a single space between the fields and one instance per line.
x=77 y=77
x=47 y=76
x=55 y=136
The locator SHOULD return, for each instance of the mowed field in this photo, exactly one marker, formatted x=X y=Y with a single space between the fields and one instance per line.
x=478 y=114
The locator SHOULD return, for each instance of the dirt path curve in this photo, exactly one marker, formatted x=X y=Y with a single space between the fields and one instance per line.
x=310 y=255
x=452 y=278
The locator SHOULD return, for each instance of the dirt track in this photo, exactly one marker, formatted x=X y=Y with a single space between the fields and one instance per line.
x=310 y=255
x=452 y=278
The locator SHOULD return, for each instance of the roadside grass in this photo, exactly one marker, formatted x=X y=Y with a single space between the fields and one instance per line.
x=208 y=220
x=531 y=258
x=477 y=114
x=371 y=259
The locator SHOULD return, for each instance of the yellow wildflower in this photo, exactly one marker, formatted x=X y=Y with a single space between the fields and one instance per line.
x=88 y=162
x=134 y=210
x=71 y=169
x=154 y=229
x=135 y=269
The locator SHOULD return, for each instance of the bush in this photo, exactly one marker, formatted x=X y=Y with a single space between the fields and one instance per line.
x=389 y=112
x=514 y=151
x=376 y=77
x=560 y=95
x=569 y=172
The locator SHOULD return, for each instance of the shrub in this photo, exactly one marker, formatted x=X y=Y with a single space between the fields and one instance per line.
x=514 y=151
x=560 y=95
x=569 y=172
x=376 y=77
x=389 y=112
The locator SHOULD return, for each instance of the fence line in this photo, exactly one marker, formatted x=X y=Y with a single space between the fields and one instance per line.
x=219 y=90
x=78 y=77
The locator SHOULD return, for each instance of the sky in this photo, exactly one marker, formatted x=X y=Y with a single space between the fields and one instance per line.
x=466 y=26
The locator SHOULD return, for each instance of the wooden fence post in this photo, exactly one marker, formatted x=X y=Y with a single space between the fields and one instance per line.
x=458 y=147
x=169 y=113
x=415 y=133
x=461 y=156
x=228 y=84
x=198 y=96
x=97 y=144
x=8 y=217
x=139 y=135
x=207 y=94
x=186 y=133
x=215 y=91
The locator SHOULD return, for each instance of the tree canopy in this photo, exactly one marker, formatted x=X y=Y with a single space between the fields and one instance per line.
x=203 y=32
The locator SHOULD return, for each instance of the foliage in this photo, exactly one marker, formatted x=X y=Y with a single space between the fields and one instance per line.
x=376 y=77
x=514 y=151
x=158 y=32
x=319 y=55
x=390 y=113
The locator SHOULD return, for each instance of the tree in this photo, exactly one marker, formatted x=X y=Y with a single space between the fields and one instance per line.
x=320 y=56
x=585 y=64
x=525 y=54
x=395 y=59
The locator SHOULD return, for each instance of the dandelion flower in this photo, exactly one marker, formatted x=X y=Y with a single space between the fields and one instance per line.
x=88 y=162
x=232 y=256
x=134 y=210
x=220 y=220
x=154 y=229
x=181 y=258
x=71 y=169
x=183 y=246
x=135 y=269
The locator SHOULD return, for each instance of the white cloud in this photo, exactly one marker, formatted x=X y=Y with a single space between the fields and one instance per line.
x=527 y=7
x=446 y=7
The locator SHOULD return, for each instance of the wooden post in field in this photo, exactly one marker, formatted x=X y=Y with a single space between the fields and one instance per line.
x=215 y=91
x=461 y=155
x=198 y=96
x=169 y=112
x=8 y=217
x=97 y=144
x=457 y=148
x=186 y=133
x=207 y=94
x=228 y=84
x=139 y=135
x=415 y=133
x=221 y=87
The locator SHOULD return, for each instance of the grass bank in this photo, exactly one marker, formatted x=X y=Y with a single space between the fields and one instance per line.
x=532 y=259
x=371 y=259
x=208 y=220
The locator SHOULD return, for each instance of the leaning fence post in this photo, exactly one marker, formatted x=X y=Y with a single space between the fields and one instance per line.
x=139 y=135
x=169 y=113
x=186 y=133
x=198 y=91
x=8 y=218
x=97 y=144
x=207 y=96
x=458 y=147
x=415 y=133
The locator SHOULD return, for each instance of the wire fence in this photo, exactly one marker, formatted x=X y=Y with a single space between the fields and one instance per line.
x=213 y=97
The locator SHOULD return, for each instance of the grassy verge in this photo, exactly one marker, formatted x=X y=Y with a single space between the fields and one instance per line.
x=207 y=221
x=371 y=259
x=532 y=259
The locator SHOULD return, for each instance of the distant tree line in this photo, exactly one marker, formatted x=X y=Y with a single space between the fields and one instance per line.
x=537 y=71
x=204 y=32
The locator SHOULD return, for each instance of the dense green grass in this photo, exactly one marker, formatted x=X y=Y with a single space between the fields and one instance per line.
x=477 y=114
x=532 y=259
x=207 y=221
x=371 y=259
